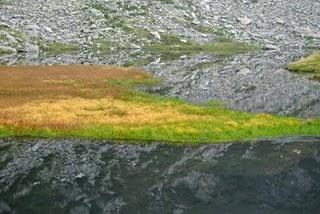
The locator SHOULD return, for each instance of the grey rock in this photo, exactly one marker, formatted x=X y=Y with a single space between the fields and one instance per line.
x=95 y=12
x=245 y=71
x=134 y=46
x=244 y=21
x=80 y=175
x=48 y=29
x=2 y=24
x=271 y=47
x=31 y=48
x=156 y=35
x=33 y=31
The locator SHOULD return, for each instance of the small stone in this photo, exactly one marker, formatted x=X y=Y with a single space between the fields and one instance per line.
x=134 y=46
x=80 y=175
x=195 y=22
x=2 y=24
x=244 y=71
x=297 y=151
x=279 y=21
x=157 y=61
x=30 y=48
x=156 y=35
x=95 y=12
x=245 y=21
x=204 y=35
x=33 y=30
x=270 y=47
x=47 y=29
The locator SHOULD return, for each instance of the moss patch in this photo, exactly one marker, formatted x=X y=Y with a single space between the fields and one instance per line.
x=58 y=47
x=99 y=102
x=309 y=65
x=5 y=51
x=173 y=44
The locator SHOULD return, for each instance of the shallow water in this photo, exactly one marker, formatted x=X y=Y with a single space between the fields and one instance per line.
x=74 y=176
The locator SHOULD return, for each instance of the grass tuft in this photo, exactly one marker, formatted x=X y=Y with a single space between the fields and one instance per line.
x=309 y=65
x=58 y=47
x=173 y=44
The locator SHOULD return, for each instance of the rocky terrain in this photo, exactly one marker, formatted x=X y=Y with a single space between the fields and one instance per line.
x=78 y=176
x=116 y=32
x=130 y=23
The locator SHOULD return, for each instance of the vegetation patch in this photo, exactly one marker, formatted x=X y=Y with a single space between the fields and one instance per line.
x=58 y=47
x=100 y=45
x=4 y=51
x=100 y=102
x=173 y=44
x=309 y=65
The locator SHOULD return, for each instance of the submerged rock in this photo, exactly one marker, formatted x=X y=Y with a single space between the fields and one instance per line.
x=74 y=176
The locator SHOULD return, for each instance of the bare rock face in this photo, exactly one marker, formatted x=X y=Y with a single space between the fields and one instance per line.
x=73 y=176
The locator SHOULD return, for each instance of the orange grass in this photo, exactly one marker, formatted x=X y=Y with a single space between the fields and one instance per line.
x=100 y=102
x=24 y=84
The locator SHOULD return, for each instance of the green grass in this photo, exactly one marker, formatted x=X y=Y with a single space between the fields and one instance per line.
x=173 y=44
x=105 y=105
x=100 y=45
x=58 y=47
x=3 y=38
x=309 y=65
x=227 y=126
x=4 y=52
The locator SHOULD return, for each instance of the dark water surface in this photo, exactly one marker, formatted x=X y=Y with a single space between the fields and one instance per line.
x=77 y=176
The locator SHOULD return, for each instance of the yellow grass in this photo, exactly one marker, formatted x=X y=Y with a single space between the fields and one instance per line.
x=75 y=111
x=100 y=102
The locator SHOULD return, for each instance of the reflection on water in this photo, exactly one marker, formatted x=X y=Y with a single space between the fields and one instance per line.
x=73 y=176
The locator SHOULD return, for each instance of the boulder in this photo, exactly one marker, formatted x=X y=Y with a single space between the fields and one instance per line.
x=33 y=31
x=156 y=35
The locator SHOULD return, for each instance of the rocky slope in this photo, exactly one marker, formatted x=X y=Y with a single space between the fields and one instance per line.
x=257 y=82
x=280 y=23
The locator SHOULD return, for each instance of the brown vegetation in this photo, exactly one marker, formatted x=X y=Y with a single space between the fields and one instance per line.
x=23 y=84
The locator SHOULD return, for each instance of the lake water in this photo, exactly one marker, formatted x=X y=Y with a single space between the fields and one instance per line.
x=74 y=176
